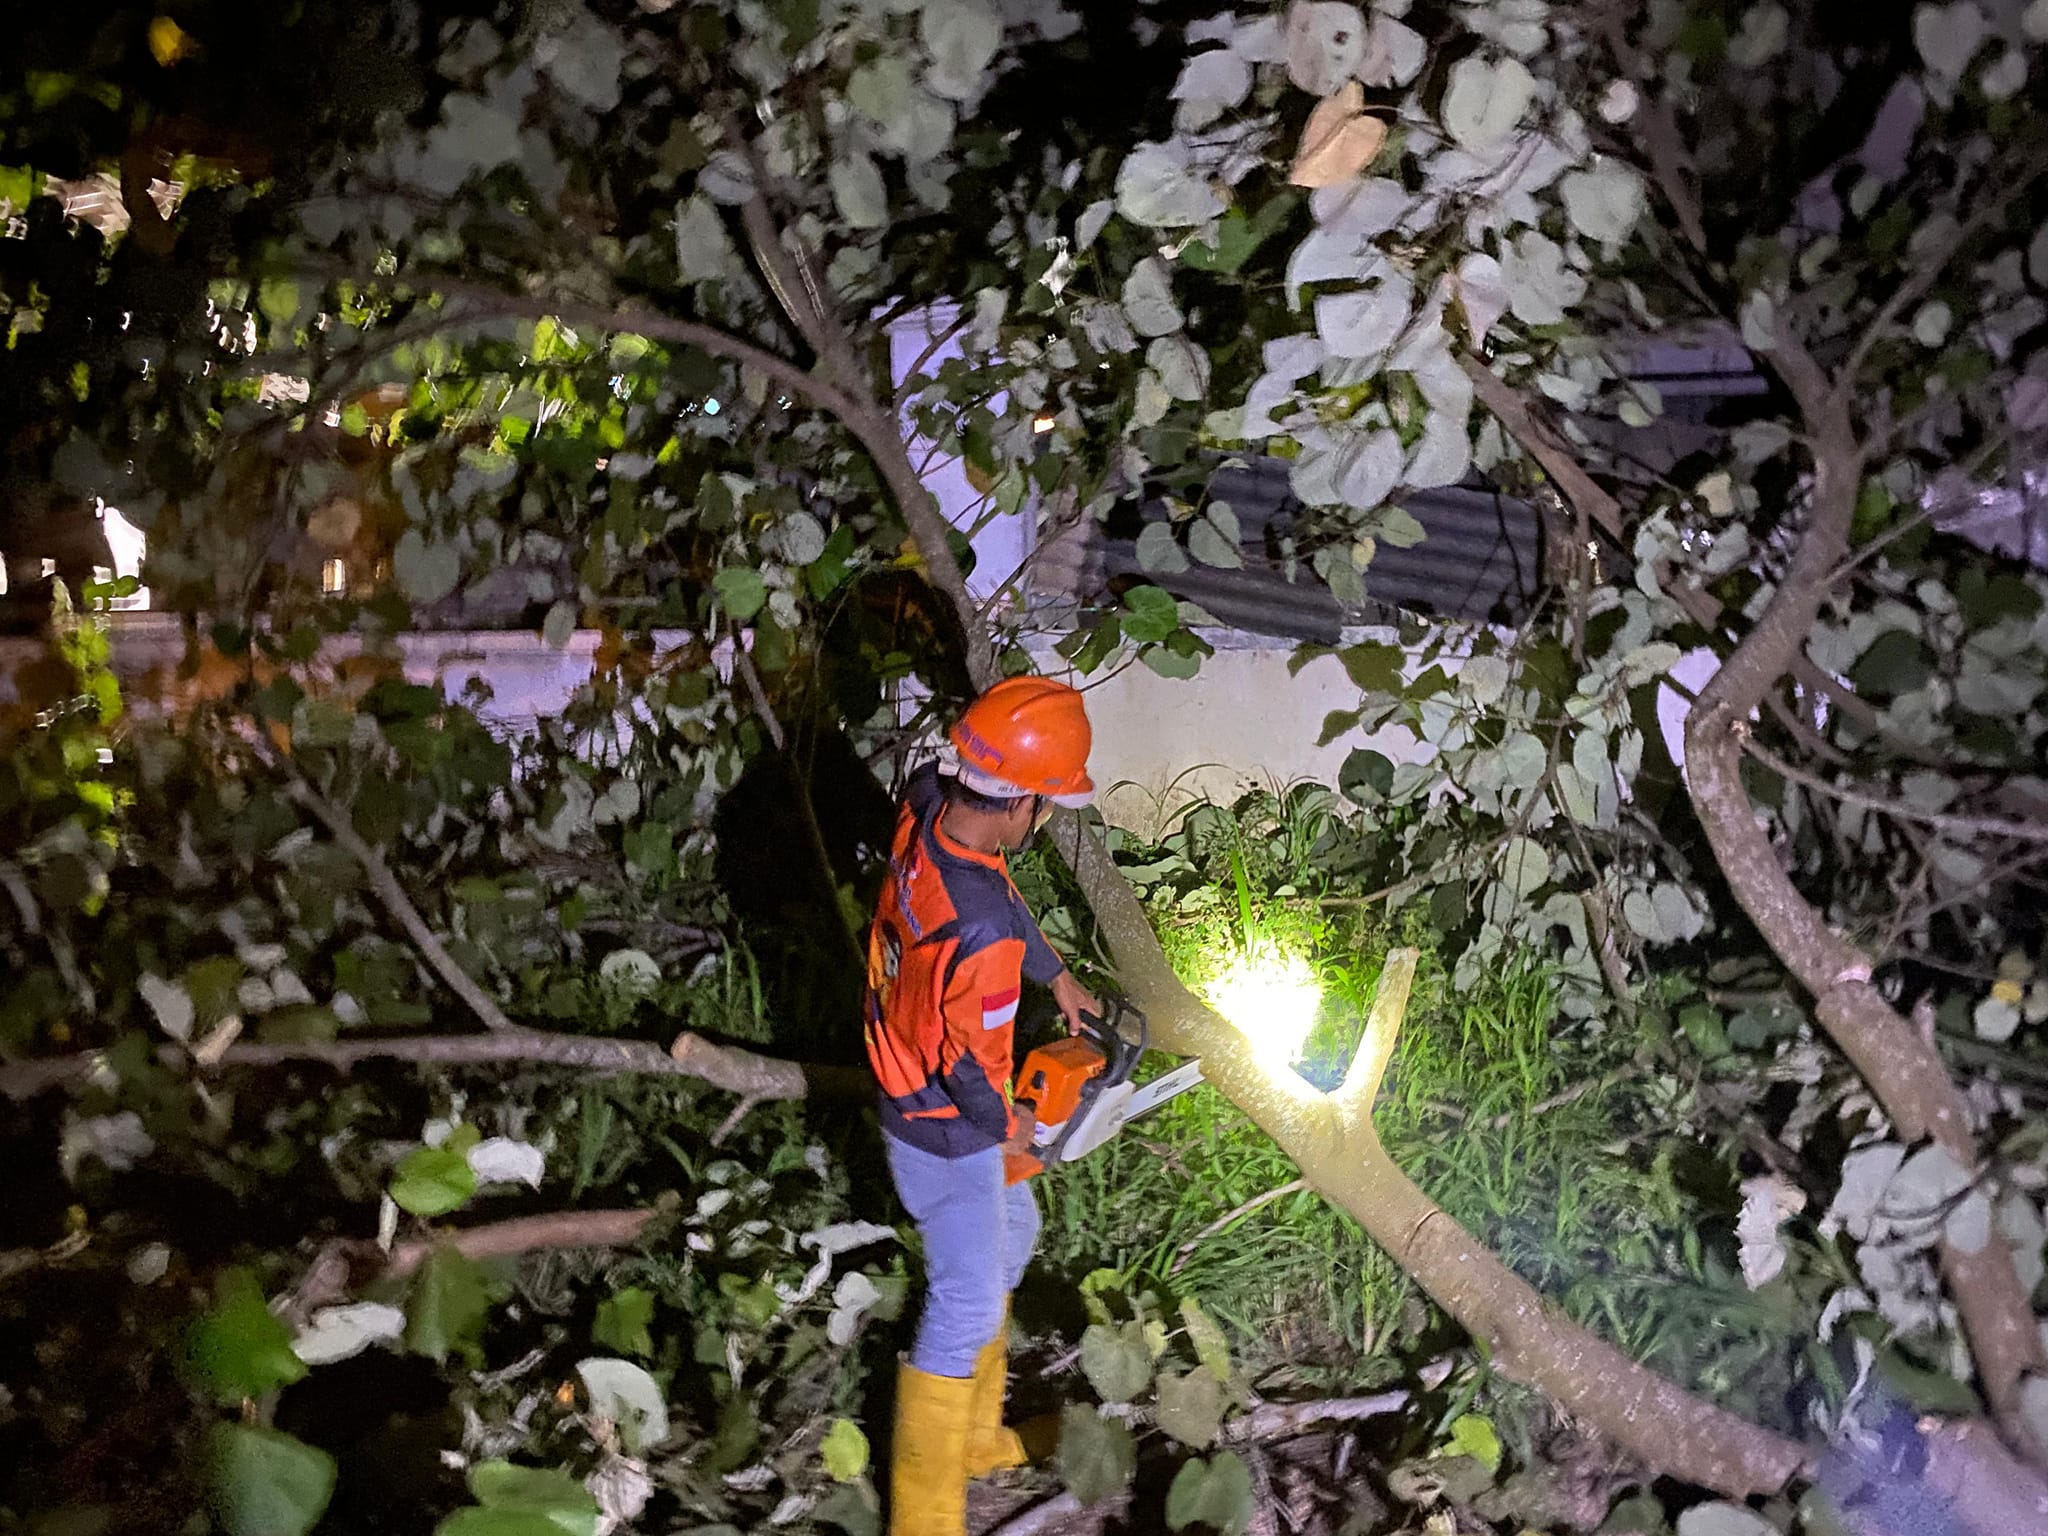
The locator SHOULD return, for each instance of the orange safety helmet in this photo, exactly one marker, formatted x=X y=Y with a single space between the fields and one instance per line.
x=1026 y=736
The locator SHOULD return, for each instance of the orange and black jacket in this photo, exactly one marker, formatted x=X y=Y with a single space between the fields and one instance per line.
x=947 y=955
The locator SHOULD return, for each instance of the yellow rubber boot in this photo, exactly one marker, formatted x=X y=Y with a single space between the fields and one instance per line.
x=992 y=1446
x=928 y=1472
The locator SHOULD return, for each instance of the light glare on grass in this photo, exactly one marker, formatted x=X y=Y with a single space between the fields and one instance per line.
x=1272 y=997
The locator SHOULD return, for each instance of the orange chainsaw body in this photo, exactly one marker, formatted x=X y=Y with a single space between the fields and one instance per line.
x=1063 y=1079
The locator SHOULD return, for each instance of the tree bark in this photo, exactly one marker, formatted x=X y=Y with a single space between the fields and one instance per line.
x=527 y=1234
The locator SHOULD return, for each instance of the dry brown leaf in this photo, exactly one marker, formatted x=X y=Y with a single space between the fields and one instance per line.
x=1339 y=142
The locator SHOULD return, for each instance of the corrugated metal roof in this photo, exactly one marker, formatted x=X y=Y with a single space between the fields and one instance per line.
x=1481 y=558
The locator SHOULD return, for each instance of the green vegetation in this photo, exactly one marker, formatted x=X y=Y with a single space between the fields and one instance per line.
x=585 y=317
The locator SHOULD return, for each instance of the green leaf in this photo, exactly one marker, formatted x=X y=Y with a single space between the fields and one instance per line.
x=845 y=1450
x=585 y=59
x=1158 y=185
x=1397 y=527
x=1148 y=299
x=1604 y=202
x=1924 y=1390
x=740 y=591
x=1523 y=759
x=237 y=1349
x=559 y=627
x=1216 y=1493
x=827 y=573
x=1097 y=1456
x=852 y=1507
x=880 y=90
x=1115 y=1360
x=1086 y=648
x=1150 y=614
x=1524 y=866
x=622 y=1322
x=543 y=1493
x=1473 y=1435
x=1895 y=662
x=497 y=1522
x=426 y=572
x=858 y=192
x=703 y=249
x=1170 y=663
x=1238 y=237
x=624 y=1393
x=799 y=538
x=1206 y=1338
x=1191 y=1407
x=962 y=37
x=432 y=1181
x=171 y=1004
x=1703 y=1027
x=18 y=184
x=1367 y=777
x=278 y=300
x=1208 y=545
x=1724 y=1519
x=263 y=1482
x=1373 y=667
x=445 y=1312
x=1483 y=100
x=1159 y=552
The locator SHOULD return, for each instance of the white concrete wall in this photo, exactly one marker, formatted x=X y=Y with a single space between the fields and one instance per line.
x=1243 y=722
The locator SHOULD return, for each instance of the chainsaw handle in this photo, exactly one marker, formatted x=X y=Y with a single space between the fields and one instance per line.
x=1019 y=1166
x=1106 y=1030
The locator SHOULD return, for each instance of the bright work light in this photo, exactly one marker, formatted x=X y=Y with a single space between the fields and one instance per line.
x=1271 y=996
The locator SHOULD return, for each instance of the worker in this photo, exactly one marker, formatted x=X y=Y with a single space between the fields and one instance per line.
x=950 y=946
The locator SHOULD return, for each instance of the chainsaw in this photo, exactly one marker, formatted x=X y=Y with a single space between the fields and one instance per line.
x=1081 y=1089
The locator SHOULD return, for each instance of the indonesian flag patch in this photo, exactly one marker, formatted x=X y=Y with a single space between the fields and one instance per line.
x=998 y=1008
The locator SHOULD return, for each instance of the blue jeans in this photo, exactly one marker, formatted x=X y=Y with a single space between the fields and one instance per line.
x=978 y=1236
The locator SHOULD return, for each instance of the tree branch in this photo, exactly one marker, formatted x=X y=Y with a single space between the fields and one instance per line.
x=873 y=424
x=1558 y=461
x=722 y=1066
x=1382 y=1030
x=902 y=398
x=1905 y=1072
x=392 y=894
x=1053 y=1514
x=346 y=1264
x=1278 y=1421
x=1941 y=821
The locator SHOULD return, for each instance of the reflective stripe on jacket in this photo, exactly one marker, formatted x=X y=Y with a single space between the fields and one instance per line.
x=947 y=954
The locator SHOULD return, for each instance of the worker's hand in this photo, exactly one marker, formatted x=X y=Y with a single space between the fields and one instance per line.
x=1027 y=1125
x=1074 y=1000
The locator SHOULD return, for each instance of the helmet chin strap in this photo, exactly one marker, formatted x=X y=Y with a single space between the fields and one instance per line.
x=1033 y=827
